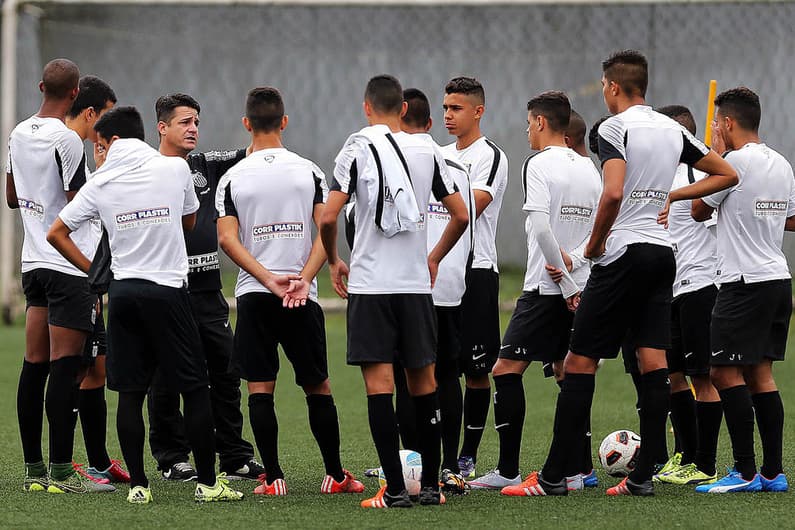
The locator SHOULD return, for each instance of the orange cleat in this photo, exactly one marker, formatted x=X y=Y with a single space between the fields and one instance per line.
x=348 y=485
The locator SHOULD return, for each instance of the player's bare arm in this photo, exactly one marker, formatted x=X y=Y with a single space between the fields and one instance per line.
x=189 y=221
x=11 y=192
x=609 y=203
x=482 y=200
x=459 y=219
x=58 y=237
x=328 y=234
x=298 y=292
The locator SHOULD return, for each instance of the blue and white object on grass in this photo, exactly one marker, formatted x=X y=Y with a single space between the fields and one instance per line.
x=412 y=471
x=732 y=483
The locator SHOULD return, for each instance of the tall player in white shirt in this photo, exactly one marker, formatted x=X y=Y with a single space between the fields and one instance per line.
x=752 y=312
x=464 y=105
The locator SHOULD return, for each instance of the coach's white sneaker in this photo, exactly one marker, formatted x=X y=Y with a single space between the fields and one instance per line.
x=493 y=481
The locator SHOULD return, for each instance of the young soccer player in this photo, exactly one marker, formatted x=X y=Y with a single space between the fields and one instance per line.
x=392 y=174
x=696 y=421
x=464 y=105
x=561 y=193
x=178 y=131
x=752 y=311
x=144 y=201
x=45 y=168
x=633 y=269
x=266 y=206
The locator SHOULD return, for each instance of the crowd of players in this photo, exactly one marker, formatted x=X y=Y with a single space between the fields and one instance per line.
x=672 y=256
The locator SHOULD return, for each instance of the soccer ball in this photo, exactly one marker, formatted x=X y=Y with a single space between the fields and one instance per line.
x=619 y=453
x=412 y=471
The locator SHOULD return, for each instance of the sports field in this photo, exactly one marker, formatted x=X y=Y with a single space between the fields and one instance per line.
x=305 y=507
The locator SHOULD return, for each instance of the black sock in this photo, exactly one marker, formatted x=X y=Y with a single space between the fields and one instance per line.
x=476 y=409
x=200 y=429
x=710 y=415
x=130 y=428
x=571 y=412
x=93 y=420
x=509 y=409
x=383 y=427
x=451 y=405
x=262 y=415
x=683 y=418
x=404 y=409
x=586 y=463
x=326 y=430
x=61 y=405
x=770 y=420
x=429 y=431
x=30 y=408
x=738 y=408
x=654 y=406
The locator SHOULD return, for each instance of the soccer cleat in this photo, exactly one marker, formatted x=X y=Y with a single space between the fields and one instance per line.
x=687 y=474
x=732 y=483
x=453 y=483
x=88 y=476
x=348 y=485
x=494 y=481
x=115 y=473
x=627 y=487
x=590 y=480
x=277 y=488
x=575 y=483
x=431 y=496
x=251 y=470
x=777 y=484
x=35 y=483
x=180 y=472
x=383 y=499
x=76 y=483
x=672 y=463
x=535 y=486
x=219 y=492
x=467 y=466
x=139 y=495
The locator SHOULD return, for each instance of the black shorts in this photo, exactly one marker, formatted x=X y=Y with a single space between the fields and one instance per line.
x=263 y=324
x=150 y=327
x=450 y=322
x=539 y=329
x=632 y=294
x=481 y=337
x=691 y=314
x=68 y=299
x=750 y=322
x=97 y=341
x=385 y=327
x=211 y=313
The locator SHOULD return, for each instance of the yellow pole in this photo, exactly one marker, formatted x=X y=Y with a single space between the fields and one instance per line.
x=713 y=89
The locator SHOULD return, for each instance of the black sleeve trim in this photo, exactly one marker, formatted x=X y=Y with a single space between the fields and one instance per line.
x=379 y=205
x=438 y=186
x=318 y=199
x=229 y=204
x=690 y=153
x=452 y=164
x=691 y=178
x=354 y=175
x=79 y=178
x=495 y=163
x=524 y=174
x=608 y=151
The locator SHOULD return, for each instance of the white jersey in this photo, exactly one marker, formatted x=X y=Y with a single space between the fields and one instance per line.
x=695 y=246
x=398 y=264
x=273 y=193
x=565 y=185
x=47 y=160
x=652 y=145
x=751 y=216
x=450 y=279
x=488 y=171
x=140 y=196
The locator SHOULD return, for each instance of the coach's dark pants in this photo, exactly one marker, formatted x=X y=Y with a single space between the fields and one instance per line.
x=166 y=427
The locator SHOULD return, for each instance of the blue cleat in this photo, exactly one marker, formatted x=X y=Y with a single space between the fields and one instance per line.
x=732 y=483
x=590 y=480
x=777 y=484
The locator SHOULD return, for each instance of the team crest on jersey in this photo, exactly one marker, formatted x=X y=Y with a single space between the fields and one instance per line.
x=147 y=216
x=34 y=127
x=199 y=180
x=288 y=230
x=269 y=158
x=576 y=214
x=766 y=208
x=31 y=208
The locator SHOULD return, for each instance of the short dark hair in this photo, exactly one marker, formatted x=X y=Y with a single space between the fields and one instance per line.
x=60 y=77
x=466 y=85
x=576 y=129
x=554 y=106
x=593 y=135
x=165 y=105
x=419 y=109
x=124 y=122
x=629 y=69
x=741 y=104
x=385 y=94
x=680 y=114
x=264 y=109
x=94 y=93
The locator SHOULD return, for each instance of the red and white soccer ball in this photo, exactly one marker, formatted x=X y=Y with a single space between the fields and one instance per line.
x=619 y=453
x=412 y=471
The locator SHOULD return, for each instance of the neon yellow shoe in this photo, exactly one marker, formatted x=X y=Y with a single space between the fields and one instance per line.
x=220 y=492
x=688 y=474
x=671 y=465
x=35 y=483
x=76 y=483
x=139 y=495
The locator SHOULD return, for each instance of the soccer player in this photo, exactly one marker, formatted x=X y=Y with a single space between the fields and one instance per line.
x=144 y=201
x=464 y=105
x=390 y=308
x=178 y=130
x=45 y=168
x=266 y=206
x=752 y=311
x=561 y=193
x=696 y=421
x=633 y=269
x=447 y=293
x=93 y=100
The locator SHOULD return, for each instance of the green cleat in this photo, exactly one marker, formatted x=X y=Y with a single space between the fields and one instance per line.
x=220 y=492
x=76 y=483
x=670 y=466
x=35 y=483
x=688 y=474
x=139 y=495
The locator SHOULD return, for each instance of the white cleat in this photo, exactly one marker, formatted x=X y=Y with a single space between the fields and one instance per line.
x=493 y=481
